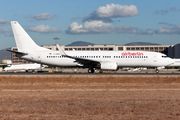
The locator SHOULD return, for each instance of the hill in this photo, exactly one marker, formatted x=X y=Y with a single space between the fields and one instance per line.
x=80 y=43
x=4 y=54
x=140 y=43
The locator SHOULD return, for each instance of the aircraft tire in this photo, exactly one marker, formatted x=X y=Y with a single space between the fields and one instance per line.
x=91 y=70
x=157 y=71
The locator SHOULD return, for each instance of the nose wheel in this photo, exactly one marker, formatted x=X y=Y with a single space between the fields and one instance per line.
x=91 y=70
x=157 y=71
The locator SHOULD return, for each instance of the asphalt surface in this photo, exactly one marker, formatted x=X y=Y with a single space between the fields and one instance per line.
x=89 y=74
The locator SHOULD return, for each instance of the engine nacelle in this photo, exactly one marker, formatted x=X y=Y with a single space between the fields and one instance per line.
x=160 y=68
x=108 y=66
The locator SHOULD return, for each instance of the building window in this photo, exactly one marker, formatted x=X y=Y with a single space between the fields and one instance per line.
x=142 y=48
x=161 y=48
x=151 y=48
x=137 y=48
x=110 y=48
x=146 y=48
x=120 y=48
x=132 y=48
x=92 y=48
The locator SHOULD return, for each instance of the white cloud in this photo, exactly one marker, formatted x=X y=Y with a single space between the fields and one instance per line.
x=146 y=32
x=42 y=16
x=90 y=28
x=126 y=29
x=5 y=30
x=44 y=29
x=109 y=11
x=132 y=30
x=165 y=23
x=4 y=22
x=97 y=27
x=174 y=30
x=166 y=11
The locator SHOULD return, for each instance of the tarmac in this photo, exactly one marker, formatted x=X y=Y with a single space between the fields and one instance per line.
x=90 y=74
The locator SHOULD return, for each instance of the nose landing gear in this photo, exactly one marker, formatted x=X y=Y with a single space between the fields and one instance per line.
x=157 y=71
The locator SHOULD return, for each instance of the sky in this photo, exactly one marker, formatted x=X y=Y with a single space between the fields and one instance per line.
x=97 y=21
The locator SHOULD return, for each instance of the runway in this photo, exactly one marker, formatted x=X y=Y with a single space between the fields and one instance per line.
x=87 y=74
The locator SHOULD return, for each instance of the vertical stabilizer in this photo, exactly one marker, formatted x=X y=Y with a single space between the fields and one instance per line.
x=23 y=41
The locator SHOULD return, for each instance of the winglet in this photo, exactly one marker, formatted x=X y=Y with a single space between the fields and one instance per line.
x=60 y=50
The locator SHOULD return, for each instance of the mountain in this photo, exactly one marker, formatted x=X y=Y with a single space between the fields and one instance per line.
x=5 y=54
x=80 y=43
x=140 y=43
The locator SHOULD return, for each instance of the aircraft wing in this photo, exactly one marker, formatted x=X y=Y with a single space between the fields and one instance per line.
x=79 y=60
x=21 y=53
x=84 y=61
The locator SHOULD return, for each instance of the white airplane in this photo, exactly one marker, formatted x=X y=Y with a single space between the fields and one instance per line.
x=24 y=67
x=104 y=60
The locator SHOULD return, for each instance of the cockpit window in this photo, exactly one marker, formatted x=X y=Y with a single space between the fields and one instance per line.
x=164 y=56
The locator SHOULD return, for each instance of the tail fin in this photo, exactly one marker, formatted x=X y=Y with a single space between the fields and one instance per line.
x=23 y=41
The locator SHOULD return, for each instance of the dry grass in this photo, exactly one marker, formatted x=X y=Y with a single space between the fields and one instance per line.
x=48 y=80
x=89 y=98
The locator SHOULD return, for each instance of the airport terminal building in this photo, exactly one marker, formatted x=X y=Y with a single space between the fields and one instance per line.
x=166 y=49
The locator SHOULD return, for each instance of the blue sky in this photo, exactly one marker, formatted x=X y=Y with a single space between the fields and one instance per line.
x=98 y=21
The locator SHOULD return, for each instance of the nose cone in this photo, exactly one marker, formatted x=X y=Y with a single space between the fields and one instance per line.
x=5 y=69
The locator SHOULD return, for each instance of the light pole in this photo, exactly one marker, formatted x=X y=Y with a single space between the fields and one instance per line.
x=56 y=38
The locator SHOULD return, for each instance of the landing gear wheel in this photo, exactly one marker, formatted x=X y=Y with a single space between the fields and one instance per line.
x=91 y=70
x=157 y=71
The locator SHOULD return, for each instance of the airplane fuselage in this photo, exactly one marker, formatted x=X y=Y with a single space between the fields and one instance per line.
x=121 y=58
x=23 y=67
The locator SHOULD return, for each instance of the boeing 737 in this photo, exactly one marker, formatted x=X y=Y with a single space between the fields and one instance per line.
x=103 y=60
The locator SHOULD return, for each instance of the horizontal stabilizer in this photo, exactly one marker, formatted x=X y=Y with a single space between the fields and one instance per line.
x=21 y=53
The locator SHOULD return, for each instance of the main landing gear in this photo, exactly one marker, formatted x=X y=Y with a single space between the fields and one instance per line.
x=91 y=70
x=157 y=71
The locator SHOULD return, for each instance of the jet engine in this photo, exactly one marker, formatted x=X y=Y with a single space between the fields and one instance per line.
x=108 y=66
